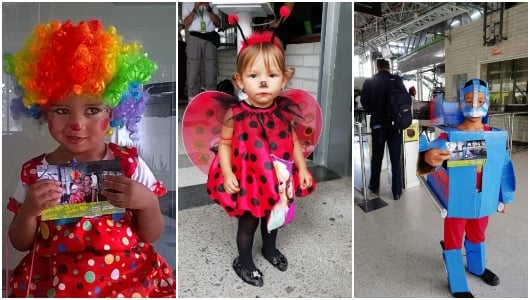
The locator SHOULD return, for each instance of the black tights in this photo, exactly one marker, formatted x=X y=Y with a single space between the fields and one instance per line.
x=245 y=239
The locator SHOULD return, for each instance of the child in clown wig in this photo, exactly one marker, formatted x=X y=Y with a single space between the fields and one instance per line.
x=81 y=79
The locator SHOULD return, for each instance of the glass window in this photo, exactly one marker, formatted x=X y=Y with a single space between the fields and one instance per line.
x=508 y=82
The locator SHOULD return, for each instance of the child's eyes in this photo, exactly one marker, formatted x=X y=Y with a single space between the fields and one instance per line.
x=89 y=111
x=93 y=111
x=61 y=111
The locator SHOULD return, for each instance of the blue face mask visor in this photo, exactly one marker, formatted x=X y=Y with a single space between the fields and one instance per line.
x=475 y=86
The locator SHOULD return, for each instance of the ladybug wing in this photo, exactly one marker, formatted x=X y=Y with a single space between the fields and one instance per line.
x=201 y=126
x=309 y=127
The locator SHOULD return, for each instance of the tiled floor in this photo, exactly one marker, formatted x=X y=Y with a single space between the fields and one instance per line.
x=397 y=250
x=317 y=244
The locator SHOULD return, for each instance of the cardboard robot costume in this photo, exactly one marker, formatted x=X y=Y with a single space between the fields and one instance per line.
x=476 y=157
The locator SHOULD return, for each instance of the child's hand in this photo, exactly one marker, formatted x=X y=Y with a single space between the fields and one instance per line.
x=436 y=157
x=41 y=195
x=306 y=180
x=124 y=192
x=231 y=185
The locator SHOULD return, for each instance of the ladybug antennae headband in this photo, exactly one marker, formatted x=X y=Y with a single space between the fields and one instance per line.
x=260 y=37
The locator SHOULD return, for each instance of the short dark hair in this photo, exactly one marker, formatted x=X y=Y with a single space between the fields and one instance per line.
x=383 y=64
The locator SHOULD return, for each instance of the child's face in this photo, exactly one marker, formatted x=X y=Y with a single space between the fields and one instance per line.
x=261 y=84
x=79 y=123
x=468 y=98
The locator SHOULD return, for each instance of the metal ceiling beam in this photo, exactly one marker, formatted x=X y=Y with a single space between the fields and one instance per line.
x=439 y=14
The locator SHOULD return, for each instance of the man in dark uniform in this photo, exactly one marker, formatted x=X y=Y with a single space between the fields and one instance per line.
x=374 y=100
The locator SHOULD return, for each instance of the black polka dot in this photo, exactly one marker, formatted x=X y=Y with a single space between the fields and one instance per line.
x=234 y=197
x=245 y=156
x=270 y=124
x=263 y=179
x=216 y=201
x=102 y=278
x=221 y=189
x=240 y=117
x=216 y=175
x=271 y=201
x=267 y=165
x=229 y=209
x=236 y=152
x=250 y=179
x=258 y=144
x=286 y=155
x=253 y=157
x=253 y=124
x=208 y=191
x=234 y=168
x=310 y=189
x=242 y=192
x=127 y=253
x=298 y=192
x=273 y=146
x=308 y=131
x=243 y=136
x=282 y=134
x=209 y=112
x=62 y=269
x=79 y=286
x=255 y=201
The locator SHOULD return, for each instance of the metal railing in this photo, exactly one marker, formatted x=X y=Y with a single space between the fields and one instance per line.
x=508 y=125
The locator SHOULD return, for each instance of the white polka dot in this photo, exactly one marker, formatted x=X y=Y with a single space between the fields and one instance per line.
x=121 y=296
x=115 y=274
x=55 y=280
x=129 y=232
x=91 y=262
x=163 y=283
x=33 y=171
x=71 y=235
x=130 y=160
x=106 y=247
x=62 y=286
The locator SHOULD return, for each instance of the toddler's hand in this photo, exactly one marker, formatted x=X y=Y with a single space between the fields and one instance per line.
x=41 y=195
x=306 y=180
x=436 y=157
x=124 y=192
x=231 y=185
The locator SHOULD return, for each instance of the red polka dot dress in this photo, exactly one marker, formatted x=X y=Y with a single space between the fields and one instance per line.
x=261 y=137
x=91 y=256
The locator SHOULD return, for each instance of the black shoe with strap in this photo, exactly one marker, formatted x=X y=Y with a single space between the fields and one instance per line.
x=279 y=261
x=254 y=277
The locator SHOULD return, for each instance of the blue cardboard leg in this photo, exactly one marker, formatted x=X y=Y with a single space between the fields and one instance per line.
x=456 y=273
x=476 y=257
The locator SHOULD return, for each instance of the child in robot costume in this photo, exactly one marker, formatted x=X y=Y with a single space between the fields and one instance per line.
x=473 y=104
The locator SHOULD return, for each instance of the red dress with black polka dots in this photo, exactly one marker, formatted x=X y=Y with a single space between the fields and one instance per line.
x=91 y=256
x=259 y=134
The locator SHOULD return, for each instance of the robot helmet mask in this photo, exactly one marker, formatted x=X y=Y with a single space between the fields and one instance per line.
x=475 y=86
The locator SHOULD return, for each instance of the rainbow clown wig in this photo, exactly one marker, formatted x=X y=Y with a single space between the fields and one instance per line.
x=61 y=58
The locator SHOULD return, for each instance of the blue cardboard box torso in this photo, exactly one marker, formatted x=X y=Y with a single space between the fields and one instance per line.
x=470 y=184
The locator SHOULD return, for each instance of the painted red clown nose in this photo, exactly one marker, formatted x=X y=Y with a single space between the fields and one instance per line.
x=75 y=127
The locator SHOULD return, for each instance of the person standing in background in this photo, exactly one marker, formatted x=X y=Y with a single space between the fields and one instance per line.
x=201 y=20
x=374 y=100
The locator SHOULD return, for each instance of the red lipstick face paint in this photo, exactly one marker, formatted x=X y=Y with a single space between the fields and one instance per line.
x=104 y=124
